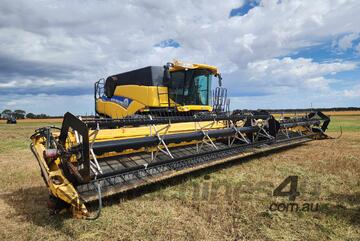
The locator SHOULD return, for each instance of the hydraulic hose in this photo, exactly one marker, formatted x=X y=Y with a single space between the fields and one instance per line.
x=98 y=212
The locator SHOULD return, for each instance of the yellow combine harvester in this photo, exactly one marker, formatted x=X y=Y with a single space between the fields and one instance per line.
x=175 y=89
x=165 y=122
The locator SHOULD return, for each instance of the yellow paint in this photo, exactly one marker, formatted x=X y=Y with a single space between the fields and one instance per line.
x=186 y=108
x=150 y=96
x=146 y=97
x=63 y=190
x=115 y=110
x=177 y=65
x=143 y=131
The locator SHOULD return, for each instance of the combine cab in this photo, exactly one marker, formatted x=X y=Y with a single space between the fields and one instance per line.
x=89 y=159
x=174 y=89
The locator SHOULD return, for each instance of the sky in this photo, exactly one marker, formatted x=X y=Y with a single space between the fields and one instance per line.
x=271 y=53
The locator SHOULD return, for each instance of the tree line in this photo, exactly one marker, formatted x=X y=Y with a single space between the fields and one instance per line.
x=314 y=109
x=21 y=114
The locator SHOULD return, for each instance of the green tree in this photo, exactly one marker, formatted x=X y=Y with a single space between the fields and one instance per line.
x=42 y=116
x=19 y=114
x=30 y=115
x=6 y=113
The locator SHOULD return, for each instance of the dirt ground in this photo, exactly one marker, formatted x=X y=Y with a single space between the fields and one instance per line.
x=232 y=202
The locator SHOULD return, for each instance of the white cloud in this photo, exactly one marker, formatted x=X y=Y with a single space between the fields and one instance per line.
x=357 y=48
x=296 y=73
x=346 y=42
x=246 y=41
x=300 y=67
x=353 y=93
x=110 y=32
x=10 y=84
x=317 y=83
x=291 y=83
x=40 y=83
x=71 y=44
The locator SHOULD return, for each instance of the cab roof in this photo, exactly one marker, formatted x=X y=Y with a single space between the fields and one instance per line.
x=177 y=65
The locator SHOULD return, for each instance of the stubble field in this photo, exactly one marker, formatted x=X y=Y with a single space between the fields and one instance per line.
x=231 y=202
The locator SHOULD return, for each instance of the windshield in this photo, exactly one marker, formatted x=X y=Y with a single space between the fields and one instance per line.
x=191 y=87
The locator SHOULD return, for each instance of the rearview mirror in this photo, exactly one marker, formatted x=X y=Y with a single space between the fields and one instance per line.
x=219 y=78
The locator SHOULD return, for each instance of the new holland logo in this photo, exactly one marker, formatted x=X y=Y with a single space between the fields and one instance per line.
x=123 y=101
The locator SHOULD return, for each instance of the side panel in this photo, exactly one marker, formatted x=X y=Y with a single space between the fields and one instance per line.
x=150 y=96
x=115 y=110
x=128 y=99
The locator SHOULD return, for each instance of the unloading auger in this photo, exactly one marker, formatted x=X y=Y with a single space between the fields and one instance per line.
x=89 y=159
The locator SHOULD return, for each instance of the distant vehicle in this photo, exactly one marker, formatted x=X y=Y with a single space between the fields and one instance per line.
x=11 y=120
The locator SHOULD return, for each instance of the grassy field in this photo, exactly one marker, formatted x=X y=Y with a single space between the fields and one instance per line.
x=229 y=203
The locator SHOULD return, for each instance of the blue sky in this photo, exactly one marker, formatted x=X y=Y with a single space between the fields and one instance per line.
x=272 y=54
x=168 y=43
x=244 y=8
